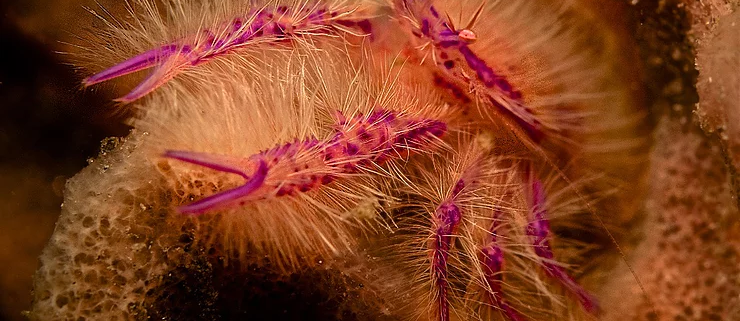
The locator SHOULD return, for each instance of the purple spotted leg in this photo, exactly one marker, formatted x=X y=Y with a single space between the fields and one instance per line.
x=493 y=261
x=357 y=144
x=447 y=217
x=538 y=230
x=268 y=25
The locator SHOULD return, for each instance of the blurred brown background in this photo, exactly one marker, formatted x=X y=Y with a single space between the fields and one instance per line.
x=49 y=127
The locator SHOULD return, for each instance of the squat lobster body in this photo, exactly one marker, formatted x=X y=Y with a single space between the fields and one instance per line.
x=302 y=142
x=459 y=67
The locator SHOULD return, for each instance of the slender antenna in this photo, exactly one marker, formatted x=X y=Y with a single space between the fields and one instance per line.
x=475 y=17
x=449 y=22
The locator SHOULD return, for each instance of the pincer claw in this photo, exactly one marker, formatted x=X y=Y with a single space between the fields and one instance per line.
x=223 y=164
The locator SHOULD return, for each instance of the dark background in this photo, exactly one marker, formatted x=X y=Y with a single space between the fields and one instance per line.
x=49 y=127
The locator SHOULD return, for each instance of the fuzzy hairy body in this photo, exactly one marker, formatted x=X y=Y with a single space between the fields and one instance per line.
x=457 y=253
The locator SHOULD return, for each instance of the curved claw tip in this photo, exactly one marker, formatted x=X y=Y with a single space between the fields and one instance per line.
x=238 y=195
x=188 y=210
x=123 y=100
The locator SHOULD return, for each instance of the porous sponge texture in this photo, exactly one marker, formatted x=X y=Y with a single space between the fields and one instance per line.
x=108 y=212
x=687 y=260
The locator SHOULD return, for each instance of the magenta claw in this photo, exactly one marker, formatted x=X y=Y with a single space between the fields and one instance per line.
x=139 y=62
x=217 y=162
x=223 y=164
x=230 y=196
x=159 y=76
